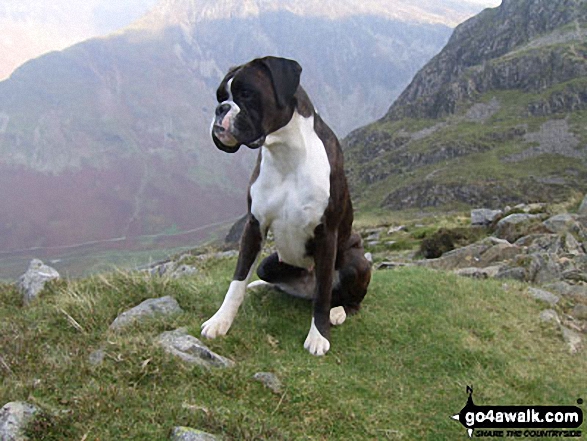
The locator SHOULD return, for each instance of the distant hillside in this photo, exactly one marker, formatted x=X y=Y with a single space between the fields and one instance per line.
x=498 y=117
x=109 y=138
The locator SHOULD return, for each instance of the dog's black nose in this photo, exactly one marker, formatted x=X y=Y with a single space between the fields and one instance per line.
x=222 y=109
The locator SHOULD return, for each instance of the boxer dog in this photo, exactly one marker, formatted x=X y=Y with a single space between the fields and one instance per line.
x=298 y=190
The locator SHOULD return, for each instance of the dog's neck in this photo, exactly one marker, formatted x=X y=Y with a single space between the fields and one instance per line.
x=287 y=147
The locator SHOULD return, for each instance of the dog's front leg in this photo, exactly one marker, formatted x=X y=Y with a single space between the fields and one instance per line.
x=317 y=341
x=250 y=248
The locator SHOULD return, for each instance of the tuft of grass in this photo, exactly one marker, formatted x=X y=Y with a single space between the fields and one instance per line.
x=397 y=370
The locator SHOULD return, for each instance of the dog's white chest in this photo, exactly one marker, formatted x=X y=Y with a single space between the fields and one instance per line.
x=293 y=188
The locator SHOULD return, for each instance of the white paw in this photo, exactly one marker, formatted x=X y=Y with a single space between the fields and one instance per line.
x=315 y=343
x=258 y=284
x=217 y=326
x=337 y=316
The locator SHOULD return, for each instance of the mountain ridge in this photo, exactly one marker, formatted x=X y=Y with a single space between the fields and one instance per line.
x=496 y=118
x=181 y=12
x=110 y=138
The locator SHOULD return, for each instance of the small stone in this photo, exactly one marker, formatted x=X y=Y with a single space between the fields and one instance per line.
x=478 y=273
x=183 y=271
x=14 y=418
x=484 y=216
x=565 y=289
x=390 y=265
x=545 y=296
x=33 y=281
x=549 y=315
x=580 y=312
x=573 y=339
x=189 y=434
x=583 y=207
x=96 y=358
x=191 y=350
x=514 y=273
x=514 y=226
x=561 y=223
x=270 y=381
x=163 y=306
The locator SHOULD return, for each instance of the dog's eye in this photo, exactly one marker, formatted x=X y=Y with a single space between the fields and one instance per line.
x=246 y=94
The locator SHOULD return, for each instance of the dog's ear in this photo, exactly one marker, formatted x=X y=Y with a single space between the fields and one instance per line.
x=285 y=76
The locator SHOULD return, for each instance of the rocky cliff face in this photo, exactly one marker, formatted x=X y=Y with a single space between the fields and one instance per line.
x=497 y=117
x=500 y=49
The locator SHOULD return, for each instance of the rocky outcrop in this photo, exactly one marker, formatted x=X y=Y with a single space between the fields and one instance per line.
x=14 y=419
x=270 y=381
x=164 y=306
x=33 y=281
x=173 y=269
x=191 y=350
x=549 y=251
x=493 y=51
x=188 y=434
x=470 y=130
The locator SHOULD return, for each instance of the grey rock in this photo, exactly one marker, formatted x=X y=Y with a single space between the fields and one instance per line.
x=567 y=290
x=188 y=434
x=545 y=296
x=538 y=243
x=514 y=273
x=575 y=275
x=96 y=358
x=173 y=270
x=549 y=315
x=478 y=273
x=183 y=271
x=484 y=216
x=270 y=381
x=573 y=246
x=573 y=339
x=163 y=306
x=514 y=226
x=373 y=233
x=579 y=312
x=469 y=256
x=397 y=229
x=531 y=208
x=561 y=223
x=583 y=207
x=191 y=350
x=544 y=268
x=14 y=418
x=479 y=255
x=33 y=281
x=236 y=231
x=390 y=265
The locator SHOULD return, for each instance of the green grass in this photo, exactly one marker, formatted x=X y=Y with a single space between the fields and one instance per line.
x=397 y=370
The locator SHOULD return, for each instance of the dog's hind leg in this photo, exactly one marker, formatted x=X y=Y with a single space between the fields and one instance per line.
x=353 y=277
x=292 y=280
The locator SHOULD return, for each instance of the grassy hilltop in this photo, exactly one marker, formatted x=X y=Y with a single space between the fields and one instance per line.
x=397 y=370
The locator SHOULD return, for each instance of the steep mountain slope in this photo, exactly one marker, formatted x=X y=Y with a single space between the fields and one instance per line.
x=109 y=138
x=498 y=117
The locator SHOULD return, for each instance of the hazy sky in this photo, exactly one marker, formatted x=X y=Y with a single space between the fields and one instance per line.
x=29 y=28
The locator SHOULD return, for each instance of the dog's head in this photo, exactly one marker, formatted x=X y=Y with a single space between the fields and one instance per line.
x=255 y=99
